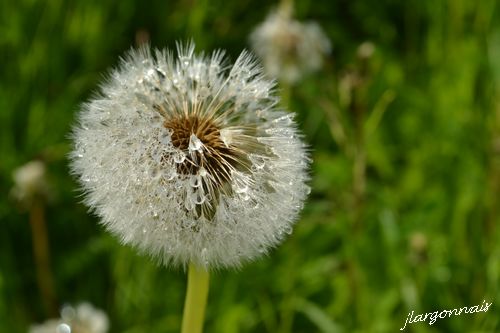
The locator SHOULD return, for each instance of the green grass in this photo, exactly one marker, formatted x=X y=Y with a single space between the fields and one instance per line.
x=425 y=122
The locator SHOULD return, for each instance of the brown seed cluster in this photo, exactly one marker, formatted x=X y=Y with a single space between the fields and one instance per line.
x=215 y=157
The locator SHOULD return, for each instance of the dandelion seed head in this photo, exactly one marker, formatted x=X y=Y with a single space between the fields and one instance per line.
x=84 y=318
x=189 y=159
x=30 y=182
x=289 y=49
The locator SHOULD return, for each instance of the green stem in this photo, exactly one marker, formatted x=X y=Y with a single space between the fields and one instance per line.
x=42 y=257
x=196 y=300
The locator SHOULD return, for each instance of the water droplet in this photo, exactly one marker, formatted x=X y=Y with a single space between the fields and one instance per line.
x=198 y=198
x=188 y=204
x=308 y=190
x=202 y=172
x=161 y=74
x=204 y=255
x=226 y=136
x=157 y=156
x=241 y=189
x=195 y=144
x=258 y=162
x=284 y=120
x=195 y=181
x=179 y=157
x=184 y=61
x=150 y=73
x=142 y=98
x=204 y=92
x=63 y=328
x=144 y=230
x=165 y=138
x=188 y=223
x=169 y=174
x=155 y=173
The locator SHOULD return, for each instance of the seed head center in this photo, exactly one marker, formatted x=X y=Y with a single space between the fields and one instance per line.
x=214 y=154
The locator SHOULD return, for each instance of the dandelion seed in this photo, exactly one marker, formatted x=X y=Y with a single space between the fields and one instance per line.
x=190 y=161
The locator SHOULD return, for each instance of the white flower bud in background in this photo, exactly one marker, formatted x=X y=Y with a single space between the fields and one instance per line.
x=29 y=182
x=366 y=50
x=189 y=159
x=82 y=319
x=288 y=48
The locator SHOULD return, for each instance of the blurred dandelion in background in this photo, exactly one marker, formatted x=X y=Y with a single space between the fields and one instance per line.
x=84 y=318
x=31 y=191
x=30 y=183
x=190 y=160
x=289 y=49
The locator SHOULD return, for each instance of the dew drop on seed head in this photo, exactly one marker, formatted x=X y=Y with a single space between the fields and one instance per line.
x=179 y=157
x=154 y=173
x=308 y=190
x=184 y=61
x=169 y=174
x=241 y=189
x=165 y=138
x=195 y=181
x=204 y=255
x=157 y=155
x=202 y=172
x=150 y=73
x=188 y=204
x=225 y=136
x=161 y=74
x=258 y=162
x=198 y=198
x=195 y=144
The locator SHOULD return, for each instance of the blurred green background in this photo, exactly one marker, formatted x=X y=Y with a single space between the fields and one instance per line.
x=404 y=209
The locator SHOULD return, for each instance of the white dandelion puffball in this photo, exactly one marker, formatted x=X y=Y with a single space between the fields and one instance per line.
x=288 y=48
x=30 y=182
x=83 y=318
x=189 y=159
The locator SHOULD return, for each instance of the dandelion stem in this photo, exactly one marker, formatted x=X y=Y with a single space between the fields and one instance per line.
x=42 y=257
x=196 y=300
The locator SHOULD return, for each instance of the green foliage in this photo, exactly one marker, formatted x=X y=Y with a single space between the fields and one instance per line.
x=404 y=210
